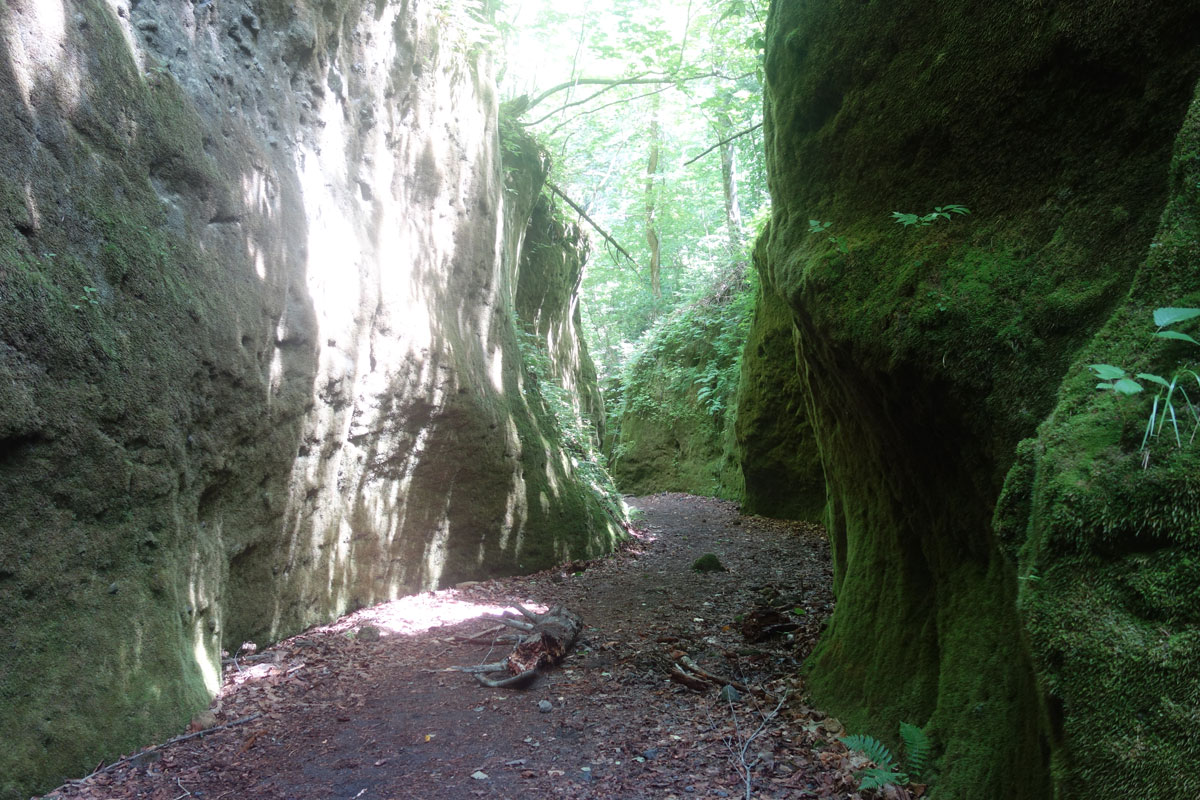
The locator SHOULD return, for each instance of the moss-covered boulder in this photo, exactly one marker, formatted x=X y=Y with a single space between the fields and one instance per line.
x=928 y=352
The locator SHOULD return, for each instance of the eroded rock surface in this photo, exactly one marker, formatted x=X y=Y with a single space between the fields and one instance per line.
x=259 y=360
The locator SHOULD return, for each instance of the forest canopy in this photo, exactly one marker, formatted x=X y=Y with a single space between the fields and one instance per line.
x=651 y=113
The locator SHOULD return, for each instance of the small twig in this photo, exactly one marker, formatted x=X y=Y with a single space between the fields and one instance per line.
x=498 y=666
x=692 y=666
x=690 y=681
x=529 y=615
x=744 y=769
x=520 y=680
x=186 y=793
x=481 y=635
x=520 y=625
x=737 y=135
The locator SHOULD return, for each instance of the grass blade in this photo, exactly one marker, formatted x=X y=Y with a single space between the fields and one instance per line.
x=1150 y=424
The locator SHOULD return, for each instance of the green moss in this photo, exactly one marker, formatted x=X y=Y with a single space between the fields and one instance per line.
x=673 y=421
x=708 y=563
x=1114 y=540
x=777 y=450
x=928 y=354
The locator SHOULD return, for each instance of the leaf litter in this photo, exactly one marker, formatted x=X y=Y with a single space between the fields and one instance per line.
x=683 y=685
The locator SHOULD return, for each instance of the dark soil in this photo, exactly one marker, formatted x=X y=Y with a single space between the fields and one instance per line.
x=345 y=716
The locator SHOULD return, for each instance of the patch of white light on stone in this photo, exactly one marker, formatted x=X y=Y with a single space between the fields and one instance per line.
x=206 y=662
x=515 y=512
x=496 y=370
x=37 y=50
x=436 y=553
x=120 y=12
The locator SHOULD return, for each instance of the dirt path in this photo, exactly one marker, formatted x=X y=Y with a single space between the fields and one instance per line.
x=345 y=716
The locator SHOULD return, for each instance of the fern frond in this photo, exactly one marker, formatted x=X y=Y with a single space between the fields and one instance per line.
x=917 y=746
x=876 y=778
x=873 y=749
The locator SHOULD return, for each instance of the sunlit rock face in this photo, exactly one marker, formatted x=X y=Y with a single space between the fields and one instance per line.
x=1008 y=575
x=258 y=350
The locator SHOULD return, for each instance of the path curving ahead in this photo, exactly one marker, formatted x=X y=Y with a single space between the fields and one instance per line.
x=362 y=708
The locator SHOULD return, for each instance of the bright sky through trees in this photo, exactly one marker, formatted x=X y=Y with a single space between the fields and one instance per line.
x=621 y=150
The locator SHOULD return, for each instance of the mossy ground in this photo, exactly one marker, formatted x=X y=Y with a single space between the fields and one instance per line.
x=929 y=352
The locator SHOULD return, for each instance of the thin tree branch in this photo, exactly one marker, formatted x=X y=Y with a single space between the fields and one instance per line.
x=560 y=125
x=737 y=135
x=636 y=79
x=590 y=97
x=607 y=237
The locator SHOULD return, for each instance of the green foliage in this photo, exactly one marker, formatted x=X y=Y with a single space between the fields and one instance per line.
x=88 y=296
x=575 y=432
x=1163 y=408
x=706 y=57
x=887 y=772
x=917 y=748
x=840 y=242
x=687 y=364
x=470 y=27
x=939 y=212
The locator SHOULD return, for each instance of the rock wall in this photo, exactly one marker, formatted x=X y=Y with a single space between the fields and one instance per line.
x=259 y=360
x=775 y=443
x=929 y=353
x=673 y=427
x=1106 y=534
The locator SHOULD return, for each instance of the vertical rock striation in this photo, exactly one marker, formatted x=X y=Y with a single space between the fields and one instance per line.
x=1047 y=654
x=259 y=360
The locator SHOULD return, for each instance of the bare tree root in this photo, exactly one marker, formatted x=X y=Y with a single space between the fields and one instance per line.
x=545 y=642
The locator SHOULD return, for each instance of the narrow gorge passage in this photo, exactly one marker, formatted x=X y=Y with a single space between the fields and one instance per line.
x=362 y=708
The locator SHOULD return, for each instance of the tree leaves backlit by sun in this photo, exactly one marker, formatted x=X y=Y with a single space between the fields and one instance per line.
x=624 y=96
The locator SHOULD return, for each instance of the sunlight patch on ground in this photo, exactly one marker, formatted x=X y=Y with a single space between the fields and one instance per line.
x=418 y=613
x=408 y=616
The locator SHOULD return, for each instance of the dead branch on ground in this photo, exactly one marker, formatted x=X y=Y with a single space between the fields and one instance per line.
x=544 y=641
x=692 y=675
x=739 y=746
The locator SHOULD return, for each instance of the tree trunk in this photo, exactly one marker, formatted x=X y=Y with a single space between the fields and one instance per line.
x=729 y=185
x=651 y=211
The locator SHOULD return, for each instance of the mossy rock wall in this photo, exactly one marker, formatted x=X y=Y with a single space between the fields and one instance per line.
x=929 y=352
x=1107 y=537
x=259 y=360
x=673 y=429
x=775 y=443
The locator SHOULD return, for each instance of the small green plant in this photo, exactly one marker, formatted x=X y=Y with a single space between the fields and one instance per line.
x=88 y=296
x=1116 y=379
x=939 y=212
x=575 y=432
x=840 y=242
x=886 y=772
